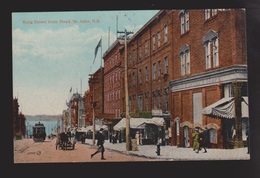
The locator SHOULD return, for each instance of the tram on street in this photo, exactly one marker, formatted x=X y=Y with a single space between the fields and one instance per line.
x=39 y=132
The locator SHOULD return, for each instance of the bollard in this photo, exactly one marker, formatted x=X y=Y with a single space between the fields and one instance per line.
x=158 y=149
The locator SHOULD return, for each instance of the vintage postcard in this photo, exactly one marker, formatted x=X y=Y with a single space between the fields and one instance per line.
x=166 y=85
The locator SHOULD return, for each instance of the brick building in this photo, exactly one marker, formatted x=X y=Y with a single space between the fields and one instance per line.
x=114 y=83
x=179 y=63
x=76 y=110
x=18 y=121
x=209 y=63
x=94 y=97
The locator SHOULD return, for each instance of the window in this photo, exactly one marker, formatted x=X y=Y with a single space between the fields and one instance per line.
x=159 y=39
x=210 y=13
x=228 y=92
x=154 y=100
x=140 y=102
x=215 y=52
x=207 y=55
x=146 y=47
x=154 y=71
x=159 y=99
x=211 y=45
x=146 y=101
x=213 y=136
x=159 y=68
x=140 y=52
x=166 y=65
x=146 y=73
x=185 y=60
x=184 y=15
x=153 y=42
x=140 y=76
x=165 y=33
x=166 y=93
x=133 y=79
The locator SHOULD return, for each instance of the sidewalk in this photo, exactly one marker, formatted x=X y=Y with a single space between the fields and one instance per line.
x=172 y=153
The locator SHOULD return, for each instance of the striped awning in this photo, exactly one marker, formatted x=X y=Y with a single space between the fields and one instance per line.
x=225 y=108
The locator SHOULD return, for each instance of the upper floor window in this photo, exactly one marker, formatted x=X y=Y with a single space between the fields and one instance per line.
x=133 y=79
x=140 y=76
x=184 y=15
x=140 y=102
x=154 y=71
x=166 y=65
x=159 y=39
x=211 y=49
x=210 y=13
x=146 y=47
x=153 y=42
x=165 y=33
x=185 y=60
x=140 y=52
x=146 y=73
x=159 y=68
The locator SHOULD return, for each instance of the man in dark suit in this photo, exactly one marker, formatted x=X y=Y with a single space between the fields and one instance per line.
x=100 y=143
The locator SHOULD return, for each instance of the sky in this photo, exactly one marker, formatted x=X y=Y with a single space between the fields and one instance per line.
x=54 y=52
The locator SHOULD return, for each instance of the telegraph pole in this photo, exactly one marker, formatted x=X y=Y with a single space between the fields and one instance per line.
x=127 y=116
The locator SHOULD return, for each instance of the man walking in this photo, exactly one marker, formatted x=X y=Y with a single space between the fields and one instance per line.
x=100 y=143
x=204 y=139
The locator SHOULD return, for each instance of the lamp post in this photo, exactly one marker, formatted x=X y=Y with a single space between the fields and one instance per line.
x=127 y=116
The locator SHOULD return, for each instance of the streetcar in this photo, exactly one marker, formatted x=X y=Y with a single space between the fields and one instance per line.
x=39 y=133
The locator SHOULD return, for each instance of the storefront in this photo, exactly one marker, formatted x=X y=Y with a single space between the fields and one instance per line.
x=224 y=109
x=149 y=127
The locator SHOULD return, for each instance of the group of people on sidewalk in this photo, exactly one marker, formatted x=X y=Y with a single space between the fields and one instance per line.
x=200 y=139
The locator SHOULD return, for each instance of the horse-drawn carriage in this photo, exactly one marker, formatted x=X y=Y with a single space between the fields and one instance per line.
x=64 y=141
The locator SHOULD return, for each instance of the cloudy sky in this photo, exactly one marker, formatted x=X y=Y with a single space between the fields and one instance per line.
x=54 y=52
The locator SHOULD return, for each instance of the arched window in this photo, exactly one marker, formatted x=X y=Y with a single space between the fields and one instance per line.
x=211 y=45
x=185 y=60
x=184 y=17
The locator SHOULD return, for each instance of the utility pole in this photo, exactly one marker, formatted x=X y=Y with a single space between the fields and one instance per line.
x=93 y=117
x=127 y=116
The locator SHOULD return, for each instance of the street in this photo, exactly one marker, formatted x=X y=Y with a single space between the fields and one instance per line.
x=28 y=151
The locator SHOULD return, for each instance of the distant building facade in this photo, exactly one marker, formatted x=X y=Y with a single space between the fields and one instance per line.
x=19 y=128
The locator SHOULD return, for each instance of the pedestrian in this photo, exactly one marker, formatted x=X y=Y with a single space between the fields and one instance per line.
x=141 y=138
x=110 y=137
x=119 y=136
x=204 y=139
x=247 y=141
x=195 y=136
x=83 y=138
x=167 y=138
x=100 y=143
x=137 y=137
x=114 y=139
x=233 y=133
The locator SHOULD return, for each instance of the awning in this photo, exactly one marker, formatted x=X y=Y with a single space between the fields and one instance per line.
x=97 y=128
x=136 y=123
x=226 y=108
